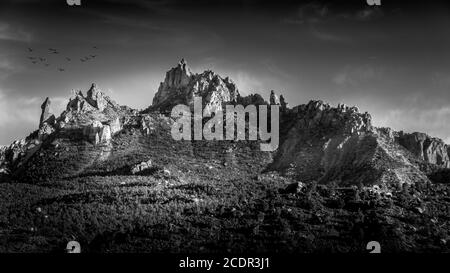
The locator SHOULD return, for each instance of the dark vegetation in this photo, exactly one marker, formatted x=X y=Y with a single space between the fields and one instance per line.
x=203 y=197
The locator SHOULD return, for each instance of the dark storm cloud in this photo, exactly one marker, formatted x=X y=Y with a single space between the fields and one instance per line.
x=392 y=61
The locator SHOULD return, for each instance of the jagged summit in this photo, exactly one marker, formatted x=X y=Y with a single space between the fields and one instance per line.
x=181 y=85
x=95 y=100
x=318 y=142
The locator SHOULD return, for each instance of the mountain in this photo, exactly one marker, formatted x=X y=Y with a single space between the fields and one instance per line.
x=319 y=142
x=120 y=182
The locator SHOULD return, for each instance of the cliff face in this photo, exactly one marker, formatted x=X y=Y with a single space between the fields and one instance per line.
x=174 y=86
x=426 y=148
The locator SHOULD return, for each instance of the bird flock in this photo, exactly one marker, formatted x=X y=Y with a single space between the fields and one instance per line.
x=44 y=60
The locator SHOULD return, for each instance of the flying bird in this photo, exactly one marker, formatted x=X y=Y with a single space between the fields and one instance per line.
x=30 y=49
x=95 y=47
x=42 y=59
x=68 y=59
x=61 y=69
x=34 y=62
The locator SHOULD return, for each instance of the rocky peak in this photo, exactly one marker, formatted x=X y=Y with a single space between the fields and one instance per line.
x=274 y=98
x=283 y=103
x=178 y=76
x=45 y=115
x=94 y=101
x=181 y=86
x=96 y=98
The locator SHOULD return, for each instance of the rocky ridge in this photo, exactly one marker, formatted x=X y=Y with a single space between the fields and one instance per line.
x=319 y=142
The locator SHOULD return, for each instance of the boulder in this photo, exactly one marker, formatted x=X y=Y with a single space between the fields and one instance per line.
x=138 y=168
x=296 y=187
x=44 y=131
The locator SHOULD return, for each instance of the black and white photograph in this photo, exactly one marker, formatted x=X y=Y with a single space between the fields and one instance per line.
x=236 y=129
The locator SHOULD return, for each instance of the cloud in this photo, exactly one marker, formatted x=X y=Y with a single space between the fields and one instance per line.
x=367 y=14
x=7 y=67
x=327 y=36
x=314 y=13
x=29 y=110
x=20 y=116
x=357 y=75
x=247 y=83
x=11 y=33
x=441 y=80
x=276 y=70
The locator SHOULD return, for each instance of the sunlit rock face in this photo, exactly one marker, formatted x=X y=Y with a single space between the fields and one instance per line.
x=181 y=86
x=96 y=98
x=46 y=121
x=426 y=148
x=339 y=145
x=174 y=86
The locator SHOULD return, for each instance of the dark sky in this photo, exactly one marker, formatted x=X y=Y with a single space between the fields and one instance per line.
x=392 y=61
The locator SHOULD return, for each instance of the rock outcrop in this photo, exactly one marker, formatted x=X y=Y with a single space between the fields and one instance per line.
x=46 y=121
x=45 y=130
x=274 y=100
x=426 y=148
x=95 y=114
x=96 y=98
x=181 y=86
x=339 y=145
x=283 y=103
x=94 y=101
x=340 y=120
x=79 y=104
x=255 y=99
x=141 y=167
x=3 y=163
x=45 y=115
x=101 y=133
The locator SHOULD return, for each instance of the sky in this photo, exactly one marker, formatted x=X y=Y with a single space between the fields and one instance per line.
x=391 y=60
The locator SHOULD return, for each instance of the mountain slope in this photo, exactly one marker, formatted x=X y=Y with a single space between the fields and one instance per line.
x=115 y=180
